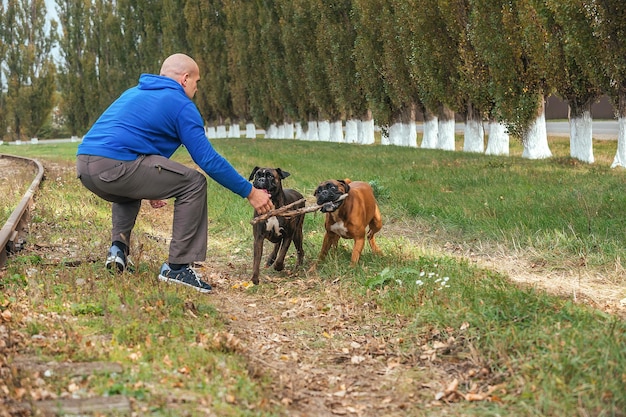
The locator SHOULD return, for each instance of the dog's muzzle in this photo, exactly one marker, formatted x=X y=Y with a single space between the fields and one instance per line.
x=262 y=184
x=330 y=206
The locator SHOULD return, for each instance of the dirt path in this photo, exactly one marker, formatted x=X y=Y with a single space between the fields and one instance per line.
x=326 y=352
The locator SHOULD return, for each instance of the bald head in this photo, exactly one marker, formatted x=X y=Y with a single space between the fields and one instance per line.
x=184 y=70
x=178 y=64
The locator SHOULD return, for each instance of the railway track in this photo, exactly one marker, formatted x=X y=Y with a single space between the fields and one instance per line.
x=17 y=171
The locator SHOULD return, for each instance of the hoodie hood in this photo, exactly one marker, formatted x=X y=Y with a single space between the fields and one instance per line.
x=157 y=82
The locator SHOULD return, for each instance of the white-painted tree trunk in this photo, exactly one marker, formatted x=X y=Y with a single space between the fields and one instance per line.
x=536 y=140
x=300 y=134
x=234 y=131
x=352 y=131
x=581 y=137
x=250 y=131
x=271 y=132
x=312 y=131
x=366 y=132
x=336 y=131
x=620 y=155
x=474 y=136
x=400 y=134
x=220 y=132
x=498 y=139
x=323 y=130
x=280 y=131
x=445 y=136
x=209 y=131
x=388 y=135
x=288 y=130
x=410 y=135
x=430 y=133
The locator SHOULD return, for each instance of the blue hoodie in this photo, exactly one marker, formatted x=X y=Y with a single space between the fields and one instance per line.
x=155 y=118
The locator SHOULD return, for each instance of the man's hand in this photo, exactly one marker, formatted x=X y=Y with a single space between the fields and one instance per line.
x=260 y=200
x=158 y=203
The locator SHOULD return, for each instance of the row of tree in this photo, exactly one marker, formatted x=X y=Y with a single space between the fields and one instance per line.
x=27 y=76
x=336 y=63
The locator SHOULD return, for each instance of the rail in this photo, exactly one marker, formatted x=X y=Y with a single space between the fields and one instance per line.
x=11 y=238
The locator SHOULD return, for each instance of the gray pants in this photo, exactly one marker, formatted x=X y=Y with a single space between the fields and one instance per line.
x=151 y=177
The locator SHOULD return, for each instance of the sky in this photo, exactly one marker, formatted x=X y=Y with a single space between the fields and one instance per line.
x=51 y=9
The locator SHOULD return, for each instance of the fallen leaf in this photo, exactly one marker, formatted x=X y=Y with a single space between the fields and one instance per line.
x=6 y=315
x=452 y=387
x=440 y=345
x=357 y=359
x=167 y=361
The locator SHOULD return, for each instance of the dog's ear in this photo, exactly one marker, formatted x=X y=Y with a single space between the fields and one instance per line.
x=282 y=174
x=252 y=173
x=317 y=190
x=345 y=183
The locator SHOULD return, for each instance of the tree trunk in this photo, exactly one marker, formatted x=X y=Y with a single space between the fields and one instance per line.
x=336 y=131
x=312 y=131
x=498 y=140
x=299 y=132
x=234 y=131
x=620 y=156
x=580 y=128
x=288 y=130
x=366 y=130
x=323 y=130
x=280 y=131
x=402 y=131
x=430 y=131
x=220 y=131
x=352 y=135
x=445 y=137
x=536 y=137
x=272 y=131
x=409 y=137
x=474 y=133
x=210 y=133
x=250 y=131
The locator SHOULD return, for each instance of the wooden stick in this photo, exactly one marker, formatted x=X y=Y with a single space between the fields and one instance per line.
x=275 y=212
x=285 y=212
x=301 y=210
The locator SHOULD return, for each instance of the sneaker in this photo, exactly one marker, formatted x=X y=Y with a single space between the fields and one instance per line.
x=116 y=258
x=185 y=276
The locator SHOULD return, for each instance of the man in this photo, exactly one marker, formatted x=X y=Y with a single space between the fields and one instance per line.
x=124 y=158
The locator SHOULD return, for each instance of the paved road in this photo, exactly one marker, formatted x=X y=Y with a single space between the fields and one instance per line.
x=602 y=129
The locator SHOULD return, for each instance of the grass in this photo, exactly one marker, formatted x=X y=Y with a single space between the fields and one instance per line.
x=13 y=185
x=549 y=356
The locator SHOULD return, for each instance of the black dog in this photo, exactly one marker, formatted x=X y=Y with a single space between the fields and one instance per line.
x=278 y=230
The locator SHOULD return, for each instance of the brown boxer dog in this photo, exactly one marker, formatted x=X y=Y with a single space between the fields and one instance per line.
x=281 y=231
x=350 y=208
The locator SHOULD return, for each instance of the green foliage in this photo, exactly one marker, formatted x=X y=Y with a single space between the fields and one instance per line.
x=87 y=309
x=282 y=61
x=27 y=67
x=13 y=280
